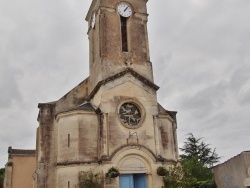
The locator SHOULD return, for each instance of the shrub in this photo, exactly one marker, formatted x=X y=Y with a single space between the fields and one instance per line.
x=89 y=180
x=112 y=173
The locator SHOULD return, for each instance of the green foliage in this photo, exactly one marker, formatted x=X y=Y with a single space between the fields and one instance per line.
x=194 y=170
x=177 y=178
x=162 y=171
x=186 y=176
x=112 y=173
x=1 y=177
x=194 y=147
x=204 y=184
x=201 y=175
x=89 y=180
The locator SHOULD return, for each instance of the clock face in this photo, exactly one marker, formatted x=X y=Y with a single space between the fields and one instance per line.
x=124 y=10
x=130 y=114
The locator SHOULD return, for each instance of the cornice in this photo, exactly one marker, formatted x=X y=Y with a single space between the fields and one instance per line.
x=72 y=112
x=107 y=160
x=119 y=75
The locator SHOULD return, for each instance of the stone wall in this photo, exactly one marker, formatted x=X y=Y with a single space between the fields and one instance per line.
x=233 y=173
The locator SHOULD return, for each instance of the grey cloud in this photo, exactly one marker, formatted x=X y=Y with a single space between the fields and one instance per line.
x=206 y=100
x=43 y=54
x=240 y=78
x=10 y=94
x=207 y=77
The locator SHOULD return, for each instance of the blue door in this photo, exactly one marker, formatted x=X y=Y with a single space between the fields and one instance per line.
x=133 y=181
x=126 y=181
x=140 y=181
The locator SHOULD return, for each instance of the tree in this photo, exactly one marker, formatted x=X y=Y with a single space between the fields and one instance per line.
x=1 y=177
x=197 y=160
x=194 y=170
x=177 y=177
x=190 y=173
x=197 y=148
x=201 y=175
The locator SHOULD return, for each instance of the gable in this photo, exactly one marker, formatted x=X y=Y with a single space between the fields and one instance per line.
x=112 y=95
x=130 y=71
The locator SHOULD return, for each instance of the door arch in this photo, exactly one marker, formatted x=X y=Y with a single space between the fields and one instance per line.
x=135 y=160
x=135 y=172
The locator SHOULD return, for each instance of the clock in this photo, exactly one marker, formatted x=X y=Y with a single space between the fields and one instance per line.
x=130 y=114
x=93 y=18
x=124 y=10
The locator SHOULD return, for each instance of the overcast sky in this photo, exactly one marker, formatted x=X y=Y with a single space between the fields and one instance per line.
x=200 y=50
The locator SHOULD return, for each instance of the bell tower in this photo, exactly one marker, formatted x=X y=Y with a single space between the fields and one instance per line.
x=118 y=39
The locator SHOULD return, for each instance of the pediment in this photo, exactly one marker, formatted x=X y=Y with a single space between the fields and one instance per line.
x=130 y=71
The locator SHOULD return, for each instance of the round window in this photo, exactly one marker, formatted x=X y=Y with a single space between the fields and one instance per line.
x=130 y=114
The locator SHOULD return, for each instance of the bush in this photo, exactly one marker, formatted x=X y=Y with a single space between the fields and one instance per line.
x=89 y=180
x=205 y=184
x=162 y=171
x=112 y=173
x=176 y=178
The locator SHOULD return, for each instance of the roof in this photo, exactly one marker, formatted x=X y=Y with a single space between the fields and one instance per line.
x=163 y=111
x=234 y=157
x=21 y=151
x=54 y=103
x=86 y=106
x=119 y=75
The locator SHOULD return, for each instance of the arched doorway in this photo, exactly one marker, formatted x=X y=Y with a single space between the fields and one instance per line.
x=133 y=181
x=134 y=172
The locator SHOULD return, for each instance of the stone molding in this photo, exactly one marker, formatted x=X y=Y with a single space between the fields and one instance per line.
x=119 y=75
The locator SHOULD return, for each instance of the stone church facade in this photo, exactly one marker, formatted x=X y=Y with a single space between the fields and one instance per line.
x=112 y=118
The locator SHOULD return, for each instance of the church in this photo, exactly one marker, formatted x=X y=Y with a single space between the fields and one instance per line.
x=112 y=119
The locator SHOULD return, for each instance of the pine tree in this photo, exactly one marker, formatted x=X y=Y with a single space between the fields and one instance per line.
x=195 y=147
x=194 y=169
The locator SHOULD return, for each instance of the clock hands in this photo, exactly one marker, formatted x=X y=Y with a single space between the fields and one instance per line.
x=125 y=9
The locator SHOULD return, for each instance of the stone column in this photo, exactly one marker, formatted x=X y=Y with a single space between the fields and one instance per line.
x=156 y=132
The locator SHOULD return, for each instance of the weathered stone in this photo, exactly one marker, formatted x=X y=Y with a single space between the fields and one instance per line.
x=90 y=127
x=235 y=172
